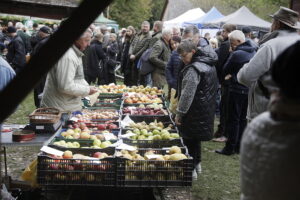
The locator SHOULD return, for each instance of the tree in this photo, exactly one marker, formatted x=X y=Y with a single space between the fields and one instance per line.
x=131 y=12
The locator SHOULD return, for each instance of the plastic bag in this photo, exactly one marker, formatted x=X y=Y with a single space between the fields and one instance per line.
x=30 y=174
x=5 y=195
x=173 y=102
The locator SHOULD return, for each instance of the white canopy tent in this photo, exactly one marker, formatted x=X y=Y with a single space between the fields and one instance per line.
x=242 y=17
x=187 y=16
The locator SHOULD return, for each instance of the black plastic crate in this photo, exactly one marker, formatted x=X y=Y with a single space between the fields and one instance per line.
x=113 y=102
x=68 y=172
x=152 y=173
x=83 y=143
x=149 y=119
x=153 y=143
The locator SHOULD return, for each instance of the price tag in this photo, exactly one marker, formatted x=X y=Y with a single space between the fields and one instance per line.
x=109 y=136
x=52 y=151
x=126 y=147
x=39 y=127
x=128 y=135
x=75 y=119
x=152 y=156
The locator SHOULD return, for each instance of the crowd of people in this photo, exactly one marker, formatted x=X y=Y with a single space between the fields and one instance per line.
x=230 y=75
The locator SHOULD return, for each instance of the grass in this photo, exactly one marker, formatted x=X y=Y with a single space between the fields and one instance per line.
x=220 y=174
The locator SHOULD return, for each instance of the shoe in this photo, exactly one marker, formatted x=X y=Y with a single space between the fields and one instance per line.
x=195 y=175
x=199 y=168
x=220 y=139
x=224 y=152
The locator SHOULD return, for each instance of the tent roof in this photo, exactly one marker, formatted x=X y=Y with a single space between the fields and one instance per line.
x=212 y=14
x=188 y=15
x=242 y=17
x=103 y=20
x=175 y=8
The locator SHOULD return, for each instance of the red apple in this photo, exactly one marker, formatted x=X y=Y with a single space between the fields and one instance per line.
x=97 y=155
x=101 y=126
x=68 y=155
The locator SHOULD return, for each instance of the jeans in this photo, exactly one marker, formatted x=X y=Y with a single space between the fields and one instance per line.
x=194 y=148
x=236 y=123
x=148 y=80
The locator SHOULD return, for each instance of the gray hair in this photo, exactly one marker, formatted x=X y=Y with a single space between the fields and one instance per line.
x=19 y=25
x=159 y=25
x=191 y=29
x=186 y=46
x=87 y=31
x=113 y=34
x=166 y=31
x=237 y=35
x=98 y=36
x=145 y=23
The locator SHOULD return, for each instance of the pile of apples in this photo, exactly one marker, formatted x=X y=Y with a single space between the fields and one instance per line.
x=145 y=90
x=112 y=88
x=156 y=134
x=149 y=127
x=77 y=133
x=141 y=98
x=97 y=114
x=144 y=111
x=63 y=143
x=174 y=154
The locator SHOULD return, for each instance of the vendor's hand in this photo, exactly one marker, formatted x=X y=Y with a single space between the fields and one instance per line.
x=227 y=77
x=93 y=90
x=178 y=120
x=132 y=57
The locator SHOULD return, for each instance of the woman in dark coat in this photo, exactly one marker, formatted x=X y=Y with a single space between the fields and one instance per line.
x=125 y=61
x=197 y=90
x=95 y=61
x=112 y=51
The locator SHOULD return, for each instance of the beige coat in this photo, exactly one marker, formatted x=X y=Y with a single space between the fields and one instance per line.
x=65 y=84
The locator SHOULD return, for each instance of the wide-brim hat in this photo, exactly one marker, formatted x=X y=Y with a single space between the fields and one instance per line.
x=288 y=17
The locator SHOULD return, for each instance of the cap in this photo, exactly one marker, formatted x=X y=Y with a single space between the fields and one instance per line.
x=45 y=29
x=11 y=29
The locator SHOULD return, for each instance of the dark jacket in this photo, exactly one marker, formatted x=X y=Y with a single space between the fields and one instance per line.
x=26 y=40
x=125 y=65
x=173 y=68
x=197 y=86
x=159 y=56
x=223 y=54
x=95 y=56
x=155 y=37
x=112 y=51
x=138 y=46
x=241 y=55
x=16 y=55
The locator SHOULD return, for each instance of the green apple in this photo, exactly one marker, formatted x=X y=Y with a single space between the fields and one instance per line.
x=144 y=131
x=141 y=137
x=150 y=137
x=105 y=144
x=164 y=131
x=174 y=135
x=166 y=136
x=76 y=144
x=156 y=137
x=62 y=143
x=97 y=142
x=69 y=137
x=77 y=130
x=156 y=132
x=136 y=131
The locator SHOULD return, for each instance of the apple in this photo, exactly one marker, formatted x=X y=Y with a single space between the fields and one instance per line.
x=105 y=144
x=68 y=155
x=93 y=137
x=101 y=126
x=97 y=142
x=76 y=136
x=112 y=126
x=84 y=135
x=70 y=131
x=76 y=144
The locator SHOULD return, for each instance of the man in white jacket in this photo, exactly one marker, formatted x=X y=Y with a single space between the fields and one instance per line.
x=255 y=74
x=65 y=84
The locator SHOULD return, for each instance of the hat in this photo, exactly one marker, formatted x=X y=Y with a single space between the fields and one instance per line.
x=288 y=17
x=11 y=29
x=45 y=29
x=246 y=30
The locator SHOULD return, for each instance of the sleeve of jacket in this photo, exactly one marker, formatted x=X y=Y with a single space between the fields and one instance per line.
x=229 y=64
x=152 y=41
x=20 y=57
x=145 y=46
x=113 y=50
x=65 y=73
x=257 y=66
x=190 y=82
x=100 y=52
x=155 y=54
x=169 y=71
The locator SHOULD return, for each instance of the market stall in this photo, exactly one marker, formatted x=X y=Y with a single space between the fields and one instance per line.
x=124 y=138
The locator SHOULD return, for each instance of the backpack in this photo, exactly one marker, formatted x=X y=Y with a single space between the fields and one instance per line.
x=144 y=65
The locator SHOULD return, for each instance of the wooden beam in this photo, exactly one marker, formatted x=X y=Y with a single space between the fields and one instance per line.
x=35 y=10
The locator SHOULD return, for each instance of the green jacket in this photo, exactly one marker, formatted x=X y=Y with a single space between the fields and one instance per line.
x=139 y=45
x=160 y=55
x=155 y=37
x=26 y=40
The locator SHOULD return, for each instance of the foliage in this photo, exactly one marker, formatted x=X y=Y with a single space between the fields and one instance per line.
x=157 y=9
x=131 y=12
x=262 y=8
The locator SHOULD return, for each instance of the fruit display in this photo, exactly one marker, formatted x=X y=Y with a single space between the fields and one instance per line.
x=174 y=154
x=156 y=134
x=77 y=133
x=145 y=90
x=92 y=125
x=145 y=110
x=97 y=115
x=150 y=126
x=141 y=98
x=112 y=89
